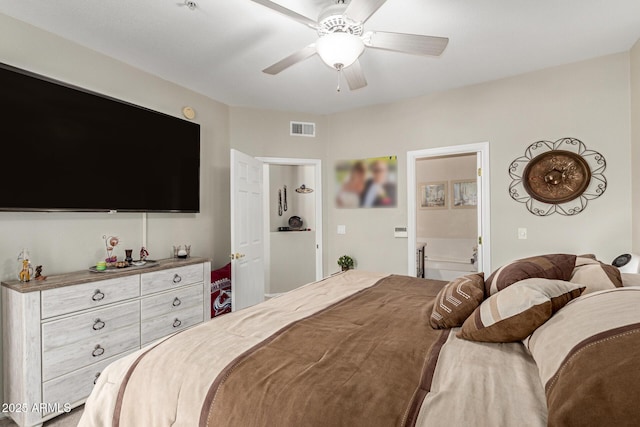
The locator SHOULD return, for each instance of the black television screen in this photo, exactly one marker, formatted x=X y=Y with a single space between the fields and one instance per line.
x=66 y=148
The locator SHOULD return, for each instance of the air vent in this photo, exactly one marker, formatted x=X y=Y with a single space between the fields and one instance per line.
x=303 y=129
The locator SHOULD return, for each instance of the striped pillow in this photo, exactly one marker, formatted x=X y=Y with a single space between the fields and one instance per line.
x=514 y=313
x=595 y=275
x=556 y=266
x=456 y=301
x=587 y=358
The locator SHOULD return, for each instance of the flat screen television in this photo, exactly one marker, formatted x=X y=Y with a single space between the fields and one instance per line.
x=69 y=149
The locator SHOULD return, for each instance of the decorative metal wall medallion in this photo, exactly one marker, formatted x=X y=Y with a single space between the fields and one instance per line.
x=560 y=176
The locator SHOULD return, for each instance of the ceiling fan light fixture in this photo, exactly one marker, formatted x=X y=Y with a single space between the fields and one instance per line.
x=339 y=50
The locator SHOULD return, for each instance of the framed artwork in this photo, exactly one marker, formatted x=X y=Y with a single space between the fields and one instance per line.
x=367 y=183
x=432 y=195
x=464 y=194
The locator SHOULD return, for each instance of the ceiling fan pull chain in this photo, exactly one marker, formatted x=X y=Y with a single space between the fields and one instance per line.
x=338 y=88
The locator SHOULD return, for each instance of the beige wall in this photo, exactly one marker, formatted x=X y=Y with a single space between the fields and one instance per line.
x=449 y=222
x=73 y=241
x=265 y=133
x=587 y=100
x=293 y=260
x=635 y=144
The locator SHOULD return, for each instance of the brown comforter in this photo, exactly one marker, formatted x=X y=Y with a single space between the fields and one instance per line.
x=364 y=361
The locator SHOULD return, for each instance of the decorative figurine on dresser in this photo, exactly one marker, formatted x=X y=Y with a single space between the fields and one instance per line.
x=144 y=253
x=38 y=275
x=60 y=333
x=110 y=244
x=26 y=271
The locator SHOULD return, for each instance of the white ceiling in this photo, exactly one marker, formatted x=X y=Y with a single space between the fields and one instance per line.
x=220 y=48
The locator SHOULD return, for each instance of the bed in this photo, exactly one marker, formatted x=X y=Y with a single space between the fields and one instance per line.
x=370 y=349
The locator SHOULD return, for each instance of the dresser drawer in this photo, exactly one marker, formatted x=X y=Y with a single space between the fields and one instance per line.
x=80 y=297
x=171 y=302
x=169 y=323
x=62 y=360
x=76 y=385
x=89 y=326
x=171 y=278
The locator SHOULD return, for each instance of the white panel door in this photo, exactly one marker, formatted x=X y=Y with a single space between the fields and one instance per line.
x=247 y=244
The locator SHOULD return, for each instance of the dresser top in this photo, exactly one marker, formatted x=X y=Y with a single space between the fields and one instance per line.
x=86 y=276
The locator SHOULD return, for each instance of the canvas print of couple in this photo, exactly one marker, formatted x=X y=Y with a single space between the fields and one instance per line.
x=368 y=183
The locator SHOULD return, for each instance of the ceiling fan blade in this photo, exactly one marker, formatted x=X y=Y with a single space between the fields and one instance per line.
x=288 y=12
x=292 y=59
x=354 y=76
x=407 y=43
x=361 y=10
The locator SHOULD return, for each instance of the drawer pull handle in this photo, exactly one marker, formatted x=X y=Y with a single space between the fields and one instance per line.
x=98 y=351
x=95 y=380
x=97 y=295
x=177 y=278
x=176 y=302
x=98 y=324
x=177 y=323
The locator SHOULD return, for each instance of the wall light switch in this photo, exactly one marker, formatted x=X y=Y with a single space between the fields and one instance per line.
x=522 y=233
x=342 y=229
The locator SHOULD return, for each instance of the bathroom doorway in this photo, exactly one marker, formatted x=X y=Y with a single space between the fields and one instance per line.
x=448 y=211
x=292 y=223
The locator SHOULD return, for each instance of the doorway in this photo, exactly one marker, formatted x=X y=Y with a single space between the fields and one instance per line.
x=251 y=227
x=448 y=187
x=292 y=223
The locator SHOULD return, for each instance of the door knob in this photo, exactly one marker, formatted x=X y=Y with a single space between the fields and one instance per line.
x=237 y=255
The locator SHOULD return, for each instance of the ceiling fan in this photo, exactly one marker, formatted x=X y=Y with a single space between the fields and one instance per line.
x=342 y=39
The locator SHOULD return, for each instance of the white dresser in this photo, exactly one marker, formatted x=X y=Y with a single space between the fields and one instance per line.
x=59 y=334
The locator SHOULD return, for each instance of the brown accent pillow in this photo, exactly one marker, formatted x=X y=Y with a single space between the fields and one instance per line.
x=456 y=301
x=515 y=312
x=588 y=355
x=595 y=275
x=555 y=266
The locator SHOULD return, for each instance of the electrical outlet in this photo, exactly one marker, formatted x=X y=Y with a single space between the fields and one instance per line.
x=522 y=233
x=342 y=229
